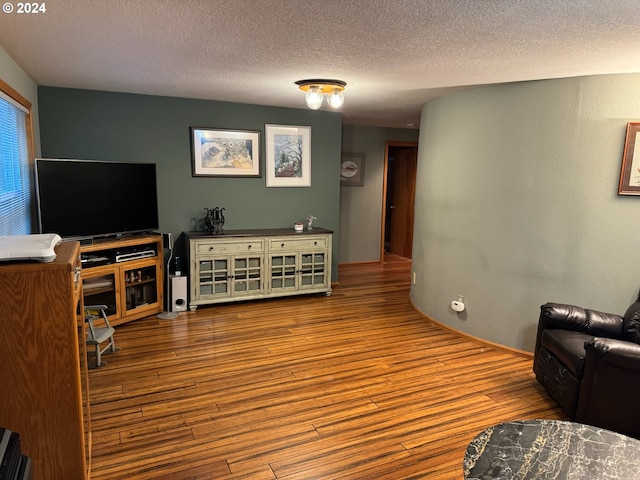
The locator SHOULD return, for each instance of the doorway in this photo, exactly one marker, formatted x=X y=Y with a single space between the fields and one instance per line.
x=399 y=190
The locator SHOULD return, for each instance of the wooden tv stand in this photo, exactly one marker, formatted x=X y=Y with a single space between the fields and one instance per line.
x=125 y=274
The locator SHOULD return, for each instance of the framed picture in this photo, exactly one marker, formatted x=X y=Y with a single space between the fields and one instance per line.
x=352 y=169
x=225 y=153
x=288 y=161
x=630 y=172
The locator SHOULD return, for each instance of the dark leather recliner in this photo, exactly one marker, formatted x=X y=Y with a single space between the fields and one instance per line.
x=589 y=362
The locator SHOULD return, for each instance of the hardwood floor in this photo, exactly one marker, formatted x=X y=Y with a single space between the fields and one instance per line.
x=353 y=386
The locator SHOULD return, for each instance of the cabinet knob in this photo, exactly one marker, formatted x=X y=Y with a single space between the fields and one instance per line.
x=315 y=243
x=249 y=247
x=210 y=248
x=282 y=245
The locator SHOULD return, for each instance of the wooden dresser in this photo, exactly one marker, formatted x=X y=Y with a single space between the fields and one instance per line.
x=43 y=373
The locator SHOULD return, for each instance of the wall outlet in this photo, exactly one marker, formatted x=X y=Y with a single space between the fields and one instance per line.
x=414 y=276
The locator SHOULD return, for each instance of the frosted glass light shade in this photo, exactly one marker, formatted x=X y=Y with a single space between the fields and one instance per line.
x=316 y=89
x=336 y=98
x=313 y=98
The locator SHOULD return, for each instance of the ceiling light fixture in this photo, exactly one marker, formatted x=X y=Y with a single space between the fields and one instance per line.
x=316 y=89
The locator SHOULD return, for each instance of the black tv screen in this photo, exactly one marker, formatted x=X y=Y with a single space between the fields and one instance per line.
x=86 y=198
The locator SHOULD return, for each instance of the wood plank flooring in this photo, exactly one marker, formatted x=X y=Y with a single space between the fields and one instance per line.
x=353 y=386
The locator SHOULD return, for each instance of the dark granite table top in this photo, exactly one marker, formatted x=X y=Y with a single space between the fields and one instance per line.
x=551 y=449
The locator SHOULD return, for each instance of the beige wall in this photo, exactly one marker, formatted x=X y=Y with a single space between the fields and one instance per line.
x=361 y=206
x=517 y=204
x=12 y=74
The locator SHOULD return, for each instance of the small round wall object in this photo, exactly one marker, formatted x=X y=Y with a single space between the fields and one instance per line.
x=457 y=306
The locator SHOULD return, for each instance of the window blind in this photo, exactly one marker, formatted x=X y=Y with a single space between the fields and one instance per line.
x=15 y=171
x=13 y=102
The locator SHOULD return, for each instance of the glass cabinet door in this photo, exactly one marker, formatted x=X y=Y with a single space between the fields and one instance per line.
x=213 y=277
x=283 y=272
x=101 y=290
x=247 y=275
x=312 y=270
x=141 y=286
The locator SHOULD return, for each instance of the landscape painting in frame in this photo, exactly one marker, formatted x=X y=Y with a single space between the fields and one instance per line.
x=630 y=172
x=225 y=153
x=288 y=161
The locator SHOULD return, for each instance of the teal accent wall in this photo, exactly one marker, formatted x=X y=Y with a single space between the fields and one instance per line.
x=98 y=125
x=517 y=204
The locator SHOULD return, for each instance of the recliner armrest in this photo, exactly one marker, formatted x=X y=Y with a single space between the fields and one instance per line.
x=577 y=319
x=610 y=385
x=619 y=353
x=585 y=320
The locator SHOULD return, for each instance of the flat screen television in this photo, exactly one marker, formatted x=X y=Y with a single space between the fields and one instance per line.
x=87 y=198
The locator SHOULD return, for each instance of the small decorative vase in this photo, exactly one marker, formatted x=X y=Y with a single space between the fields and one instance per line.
x=310 y=220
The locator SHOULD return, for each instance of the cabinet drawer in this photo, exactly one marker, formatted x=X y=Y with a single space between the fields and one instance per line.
x=309 y=243
x=214 y=248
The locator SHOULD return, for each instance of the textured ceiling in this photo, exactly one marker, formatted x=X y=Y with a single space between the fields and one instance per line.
x=395 y=55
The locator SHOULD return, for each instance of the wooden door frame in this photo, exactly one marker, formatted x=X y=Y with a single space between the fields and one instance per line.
x=385 y=172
